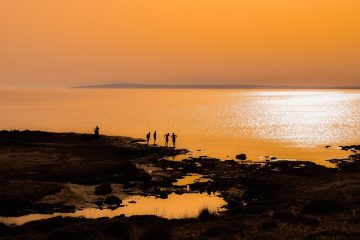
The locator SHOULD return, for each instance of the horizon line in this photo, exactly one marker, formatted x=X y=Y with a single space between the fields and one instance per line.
x=209 y=86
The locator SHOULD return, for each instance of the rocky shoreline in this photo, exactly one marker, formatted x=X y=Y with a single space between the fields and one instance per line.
x=270 y=200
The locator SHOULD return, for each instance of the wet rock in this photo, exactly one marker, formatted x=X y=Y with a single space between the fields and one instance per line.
x=65 y=208
x=44 y=208
x=163 y=195
x=167 y=182
x=159 y=231
x=103 y=189
x=190 y=166
x=346 y=148
x=241 y=156
x=305 y=220
x=112 y=200
x=179 y=192
x=99 y=202
x=355 y=219
x=219 y=232
x=269 y=225
x=323 y=206
x=333 y=234
x=230 y=162
x=283 y=215
x=206 y=215
x=255 y=209
x=70 y=233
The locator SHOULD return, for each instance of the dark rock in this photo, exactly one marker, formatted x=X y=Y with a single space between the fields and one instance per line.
x=112 y=200
x=65 y=208
x=323 y=206
x=99 y=202
x=163 y=195
x=255 y=209
x=355 y=219
x=283 y=215
x=103 y=189
x=241 y=156
x=206 y=215
x=268 y=236
x=305 y=220
x=333 y=234
x=219 y=231
x=3 y=229
x=270 y=225
x=158 y=231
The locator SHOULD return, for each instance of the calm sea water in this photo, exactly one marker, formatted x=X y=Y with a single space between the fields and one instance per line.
x=291 y=124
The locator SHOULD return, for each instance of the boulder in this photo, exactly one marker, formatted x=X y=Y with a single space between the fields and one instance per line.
x=103 y=189
x=241 y=156
x=112 y=200
x=323 y=206
x=219 y=232
x=163 y=195
x=268 y=225
x=283 y=215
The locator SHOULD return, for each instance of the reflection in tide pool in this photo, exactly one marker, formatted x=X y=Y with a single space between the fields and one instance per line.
x=187 y=205
x=190 y=179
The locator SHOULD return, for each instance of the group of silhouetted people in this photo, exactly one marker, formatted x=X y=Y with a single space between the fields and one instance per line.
x=166 y=136
x=148 y=135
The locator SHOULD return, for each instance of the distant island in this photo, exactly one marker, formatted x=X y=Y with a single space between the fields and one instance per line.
x=209 y=86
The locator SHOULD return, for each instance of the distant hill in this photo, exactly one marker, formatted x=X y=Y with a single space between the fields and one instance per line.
x=209 y=86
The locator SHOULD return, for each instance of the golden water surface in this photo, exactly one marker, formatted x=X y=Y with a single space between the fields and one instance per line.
x=291 y=124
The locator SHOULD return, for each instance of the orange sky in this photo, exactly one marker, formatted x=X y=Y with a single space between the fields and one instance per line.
x=286 y=42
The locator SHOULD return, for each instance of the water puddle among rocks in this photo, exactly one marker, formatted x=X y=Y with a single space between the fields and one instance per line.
x=190 y=179
x=187 y=205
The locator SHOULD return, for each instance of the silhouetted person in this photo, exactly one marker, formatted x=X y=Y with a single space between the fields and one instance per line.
x=96 y=131
x=154 y=136
x=173 y=138
x=166 y=136
x=148 y=138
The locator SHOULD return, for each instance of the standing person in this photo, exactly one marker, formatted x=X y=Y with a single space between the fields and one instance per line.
x=167 y=139
x=154 y=136
x=148 y=138
x=96 y=131
x=173 y=138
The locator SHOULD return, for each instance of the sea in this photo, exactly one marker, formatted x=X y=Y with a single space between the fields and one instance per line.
x=261 y=123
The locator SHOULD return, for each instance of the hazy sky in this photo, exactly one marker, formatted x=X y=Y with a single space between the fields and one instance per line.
x=286 y=42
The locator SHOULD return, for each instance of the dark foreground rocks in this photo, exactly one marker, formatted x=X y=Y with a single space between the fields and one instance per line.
x=275 y=200
x=36 y=164
x=103 y=189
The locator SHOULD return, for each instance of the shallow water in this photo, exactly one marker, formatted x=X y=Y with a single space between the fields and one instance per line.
x=291 y=124
x=188 y=205
x=190 y=179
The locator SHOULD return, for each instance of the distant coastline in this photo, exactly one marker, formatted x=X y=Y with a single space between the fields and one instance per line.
x=208 y=86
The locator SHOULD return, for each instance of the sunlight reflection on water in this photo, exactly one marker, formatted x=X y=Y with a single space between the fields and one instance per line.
x=282 y=123
x=308 y=118
x=188 y=205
